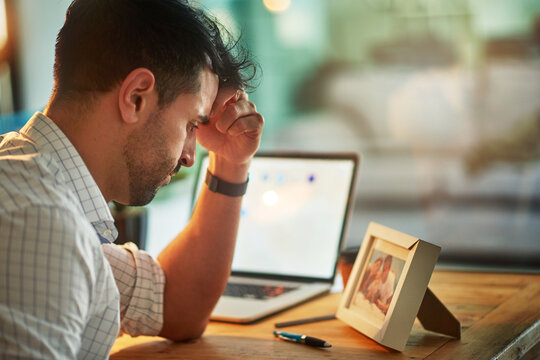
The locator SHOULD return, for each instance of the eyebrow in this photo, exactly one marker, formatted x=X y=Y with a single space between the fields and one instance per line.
x=204 y=119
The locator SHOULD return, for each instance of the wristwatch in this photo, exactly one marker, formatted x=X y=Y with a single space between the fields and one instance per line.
x=220 y=186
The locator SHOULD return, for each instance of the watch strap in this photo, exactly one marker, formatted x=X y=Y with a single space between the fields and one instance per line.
x=220 y=186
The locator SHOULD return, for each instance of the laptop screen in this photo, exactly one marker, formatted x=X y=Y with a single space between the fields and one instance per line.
x=293 y=214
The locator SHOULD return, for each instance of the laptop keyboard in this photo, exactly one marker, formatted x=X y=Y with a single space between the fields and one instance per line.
x=255 y=291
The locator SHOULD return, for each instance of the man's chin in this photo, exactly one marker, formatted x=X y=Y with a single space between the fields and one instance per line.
x=143 y=195
x=142 y=199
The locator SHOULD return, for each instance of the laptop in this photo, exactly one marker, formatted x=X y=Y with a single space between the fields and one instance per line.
x=293 y=221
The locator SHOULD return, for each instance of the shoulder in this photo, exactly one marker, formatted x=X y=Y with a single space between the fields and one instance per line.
x=389 y=284
x=392 y=276
x=30 y=178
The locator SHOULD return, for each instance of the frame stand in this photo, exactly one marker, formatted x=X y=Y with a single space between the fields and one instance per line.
x=434 y=316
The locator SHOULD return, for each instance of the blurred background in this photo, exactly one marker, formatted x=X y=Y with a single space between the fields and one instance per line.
x=441 y=98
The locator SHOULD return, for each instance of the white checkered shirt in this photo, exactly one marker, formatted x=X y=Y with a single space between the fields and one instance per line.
x=64 y=295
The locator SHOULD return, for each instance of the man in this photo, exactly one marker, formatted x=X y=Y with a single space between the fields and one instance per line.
x=136 y=83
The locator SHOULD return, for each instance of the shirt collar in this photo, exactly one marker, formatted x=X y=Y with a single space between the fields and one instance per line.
x=48 y=137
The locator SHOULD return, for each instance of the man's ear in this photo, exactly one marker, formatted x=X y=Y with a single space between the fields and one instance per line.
x=135 y=94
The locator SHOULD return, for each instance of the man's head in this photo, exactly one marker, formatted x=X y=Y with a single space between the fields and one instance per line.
x=386 y=267
x=376 y=266
x=165 y=140
x=102 y=41
x=141 y=50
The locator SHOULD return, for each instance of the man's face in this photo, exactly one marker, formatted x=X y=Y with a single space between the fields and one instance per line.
x=157 y=149
x=386 y=270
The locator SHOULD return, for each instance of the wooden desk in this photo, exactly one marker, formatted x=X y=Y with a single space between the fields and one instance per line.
x=499 y=313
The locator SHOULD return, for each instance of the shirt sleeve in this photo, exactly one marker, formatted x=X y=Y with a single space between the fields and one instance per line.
x=141 y=283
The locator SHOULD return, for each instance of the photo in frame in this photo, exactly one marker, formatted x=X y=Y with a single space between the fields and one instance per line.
x=388 y=289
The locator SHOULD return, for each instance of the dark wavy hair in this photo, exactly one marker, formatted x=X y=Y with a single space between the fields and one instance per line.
x=102 y=41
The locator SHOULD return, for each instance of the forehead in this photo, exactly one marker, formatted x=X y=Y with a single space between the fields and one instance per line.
x=209 y=82
x=199 y=103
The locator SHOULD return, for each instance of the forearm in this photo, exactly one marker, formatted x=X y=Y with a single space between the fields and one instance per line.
x=197 y=263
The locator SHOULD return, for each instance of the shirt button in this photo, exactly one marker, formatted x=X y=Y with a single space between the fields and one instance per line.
x=107 y=232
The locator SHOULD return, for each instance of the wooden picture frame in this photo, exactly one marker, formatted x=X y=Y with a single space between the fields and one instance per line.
x=387 y=287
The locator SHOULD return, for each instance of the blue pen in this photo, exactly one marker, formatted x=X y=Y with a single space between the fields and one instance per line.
x=302 y=339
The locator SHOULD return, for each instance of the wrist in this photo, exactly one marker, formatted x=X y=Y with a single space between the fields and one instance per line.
x=228 y=171
x=221 y=186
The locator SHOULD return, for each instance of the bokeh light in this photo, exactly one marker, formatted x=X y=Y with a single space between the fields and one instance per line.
x=277 y=6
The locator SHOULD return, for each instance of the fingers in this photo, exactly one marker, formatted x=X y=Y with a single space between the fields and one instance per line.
x=225 y=97
x=232 y=112
x=236 y=114
x=250 y=125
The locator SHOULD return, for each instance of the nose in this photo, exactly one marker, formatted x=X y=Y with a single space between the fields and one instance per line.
x=188 y=152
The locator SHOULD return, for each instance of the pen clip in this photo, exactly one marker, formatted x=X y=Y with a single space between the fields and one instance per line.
x=283 y=337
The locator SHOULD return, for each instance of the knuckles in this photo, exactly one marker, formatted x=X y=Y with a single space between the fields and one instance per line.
x=243 y=110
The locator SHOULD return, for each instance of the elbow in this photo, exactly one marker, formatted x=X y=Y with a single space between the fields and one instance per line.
x=183 y=331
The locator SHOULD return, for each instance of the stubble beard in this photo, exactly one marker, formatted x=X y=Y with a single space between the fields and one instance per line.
x=147 y=161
